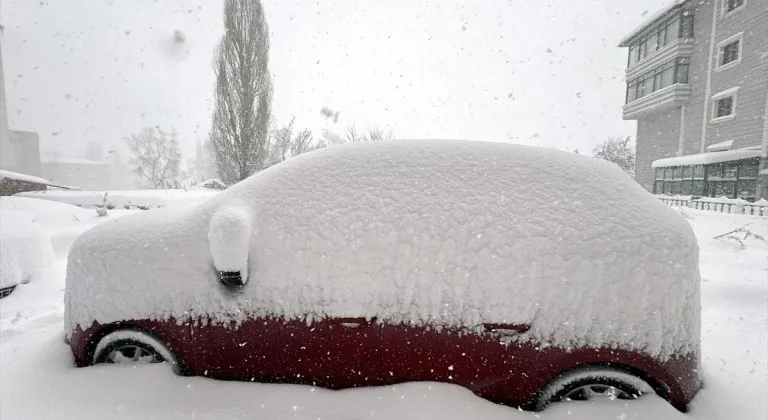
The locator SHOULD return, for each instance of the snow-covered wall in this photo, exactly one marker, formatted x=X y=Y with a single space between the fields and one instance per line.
x=440 y=233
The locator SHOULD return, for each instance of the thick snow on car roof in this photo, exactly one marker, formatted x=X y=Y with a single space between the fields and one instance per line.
x=439 y=233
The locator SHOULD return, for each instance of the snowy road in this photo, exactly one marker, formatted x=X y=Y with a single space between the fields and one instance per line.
x=37 y=380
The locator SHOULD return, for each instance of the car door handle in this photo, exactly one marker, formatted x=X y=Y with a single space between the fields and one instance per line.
x=354 y=322
x=507 y=329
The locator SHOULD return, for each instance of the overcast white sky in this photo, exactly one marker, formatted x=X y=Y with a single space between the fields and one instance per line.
x=546 y=72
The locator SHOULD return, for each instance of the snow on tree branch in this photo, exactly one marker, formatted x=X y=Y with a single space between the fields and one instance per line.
x=618 y=151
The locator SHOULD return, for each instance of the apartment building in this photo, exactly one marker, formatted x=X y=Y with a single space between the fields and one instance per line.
x=697 y=84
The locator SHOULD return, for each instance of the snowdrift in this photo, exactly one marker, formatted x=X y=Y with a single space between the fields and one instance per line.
x=449 y=234
x=25 y=248
x=49 y=214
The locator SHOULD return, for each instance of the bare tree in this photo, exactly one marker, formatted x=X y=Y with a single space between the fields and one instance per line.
x=352 y=135
x=243 y=94
x=156 y=156
x=618 y=151
x=284 y=144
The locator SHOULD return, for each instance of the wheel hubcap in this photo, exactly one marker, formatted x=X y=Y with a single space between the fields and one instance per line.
x=132 y=354
x=597 y=392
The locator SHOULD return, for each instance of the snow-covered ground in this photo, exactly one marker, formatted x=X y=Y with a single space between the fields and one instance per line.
x=37 y=380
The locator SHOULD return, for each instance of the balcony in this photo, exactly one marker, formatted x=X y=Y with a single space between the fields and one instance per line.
x=681 y=47
x=669 y=97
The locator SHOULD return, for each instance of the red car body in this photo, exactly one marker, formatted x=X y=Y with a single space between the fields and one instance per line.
x=354 y=352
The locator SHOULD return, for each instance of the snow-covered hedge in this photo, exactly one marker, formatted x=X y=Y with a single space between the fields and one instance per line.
x=25 y=248
x=438 y=233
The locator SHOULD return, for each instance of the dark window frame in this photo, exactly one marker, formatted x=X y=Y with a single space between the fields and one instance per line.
x=730 y=52
x=724 y=107
x=731 y=5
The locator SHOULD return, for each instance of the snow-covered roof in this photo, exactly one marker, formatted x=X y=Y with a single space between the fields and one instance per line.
x=723 y=145
x=71 y=160
x=440 y=233
x=707 y=158
x=22 y=177
x=650 y=19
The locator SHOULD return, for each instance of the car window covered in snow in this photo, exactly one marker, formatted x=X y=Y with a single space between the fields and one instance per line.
x=458 y=209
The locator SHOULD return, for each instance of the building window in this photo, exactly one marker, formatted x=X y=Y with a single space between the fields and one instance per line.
x=724 y=105
x=681 y=70
x=730 y=179
x=732 y=5
x=722 y=189
x=749 y=170
x=698 y=172
x=746 y=189
x=729 y=51
x=669 y=73
x=679 y=25
x=686 y=24
x=698 y=188
x=687 y=187
x=673 y=28
x=633 y=56
x=730 y=170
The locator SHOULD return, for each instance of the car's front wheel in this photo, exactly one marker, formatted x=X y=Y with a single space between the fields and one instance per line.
x=592 y=384
x=133 y=347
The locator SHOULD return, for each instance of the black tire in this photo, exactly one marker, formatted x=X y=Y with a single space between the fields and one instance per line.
x=104 y=355
x=591 y=383
x=133 y=340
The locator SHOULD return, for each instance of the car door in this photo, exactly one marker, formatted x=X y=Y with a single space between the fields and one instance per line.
x=333 y=353
x=487 y=363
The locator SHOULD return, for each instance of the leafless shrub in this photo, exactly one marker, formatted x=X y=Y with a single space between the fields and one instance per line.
x=735 y=234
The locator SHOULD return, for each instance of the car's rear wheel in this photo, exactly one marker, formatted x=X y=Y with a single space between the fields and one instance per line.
x=592 y=384
x=133 y=347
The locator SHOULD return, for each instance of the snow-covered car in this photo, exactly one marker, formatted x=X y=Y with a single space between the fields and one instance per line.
x=25 y=248
x=527 y=275
x=210 y=184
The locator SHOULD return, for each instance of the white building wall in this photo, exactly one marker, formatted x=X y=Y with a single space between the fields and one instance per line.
x=7 y=152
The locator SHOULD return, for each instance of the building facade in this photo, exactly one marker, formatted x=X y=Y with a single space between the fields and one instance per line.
x=19 y=150
x=697 y=84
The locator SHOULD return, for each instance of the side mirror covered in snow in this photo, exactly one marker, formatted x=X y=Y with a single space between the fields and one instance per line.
x=229 y=236
x=231 y=278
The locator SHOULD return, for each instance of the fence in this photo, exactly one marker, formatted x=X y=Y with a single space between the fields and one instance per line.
x=722 y=205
